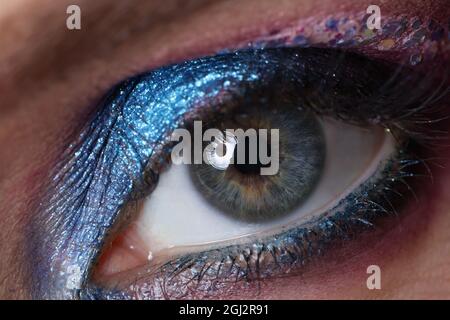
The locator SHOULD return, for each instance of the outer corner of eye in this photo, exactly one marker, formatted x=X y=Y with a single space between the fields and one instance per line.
x=197 y=207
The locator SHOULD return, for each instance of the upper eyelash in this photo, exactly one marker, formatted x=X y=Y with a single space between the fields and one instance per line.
x=106 y=128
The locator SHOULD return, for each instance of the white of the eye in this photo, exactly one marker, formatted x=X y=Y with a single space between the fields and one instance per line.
x=177 y=216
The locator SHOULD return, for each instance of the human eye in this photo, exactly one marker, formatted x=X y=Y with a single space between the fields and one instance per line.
x=349 y=136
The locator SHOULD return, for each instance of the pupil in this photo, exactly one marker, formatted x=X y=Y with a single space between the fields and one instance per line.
x=247 y=167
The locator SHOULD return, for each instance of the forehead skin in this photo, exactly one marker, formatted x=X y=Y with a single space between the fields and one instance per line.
x=50 y=78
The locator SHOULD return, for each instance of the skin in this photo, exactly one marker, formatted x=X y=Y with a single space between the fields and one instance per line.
x=51 y=78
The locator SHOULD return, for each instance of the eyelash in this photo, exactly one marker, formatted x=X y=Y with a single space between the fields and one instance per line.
x=197 y=275
x=83 y=166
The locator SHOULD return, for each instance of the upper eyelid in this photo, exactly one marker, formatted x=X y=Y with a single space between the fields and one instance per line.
x=286 y=36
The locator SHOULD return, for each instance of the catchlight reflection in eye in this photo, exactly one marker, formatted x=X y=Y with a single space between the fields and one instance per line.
x=179 y=217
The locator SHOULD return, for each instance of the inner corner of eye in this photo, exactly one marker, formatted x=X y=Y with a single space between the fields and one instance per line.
x=197 y=207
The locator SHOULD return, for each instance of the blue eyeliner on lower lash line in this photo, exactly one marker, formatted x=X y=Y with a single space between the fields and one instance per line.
x=104 y=168
x=207 y=274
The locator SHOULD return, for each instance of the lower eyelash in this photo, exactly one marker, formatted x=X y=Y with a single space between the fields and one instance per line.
x=104 y=168
x=213 y=272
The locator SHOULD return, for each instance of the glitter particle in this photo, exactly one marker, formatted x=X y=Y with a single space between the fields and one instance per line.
x=415 y=59
x=386 y=44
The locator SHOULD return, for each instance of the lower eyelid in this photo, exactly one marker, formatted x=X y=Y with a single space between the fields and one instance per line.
x=208 y=273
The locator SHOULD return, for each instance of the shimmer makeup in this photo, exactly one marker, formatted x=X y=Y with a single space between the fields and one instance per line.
x=334 y=68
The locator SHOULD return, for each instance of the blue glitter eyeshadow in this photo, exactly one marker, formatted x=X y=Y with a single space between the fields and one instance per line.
x=117 y=156
x=111 y=154
x=300 y=41
x=331 y=24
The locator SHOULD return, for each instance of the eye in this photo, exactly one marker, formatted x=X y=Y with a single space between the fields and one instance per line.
x=198 y=206
x=347 y=155
x=343 y=161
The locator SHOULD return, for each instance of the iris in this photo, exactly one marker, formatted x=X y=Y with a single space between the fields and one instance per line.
x=241 y=191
